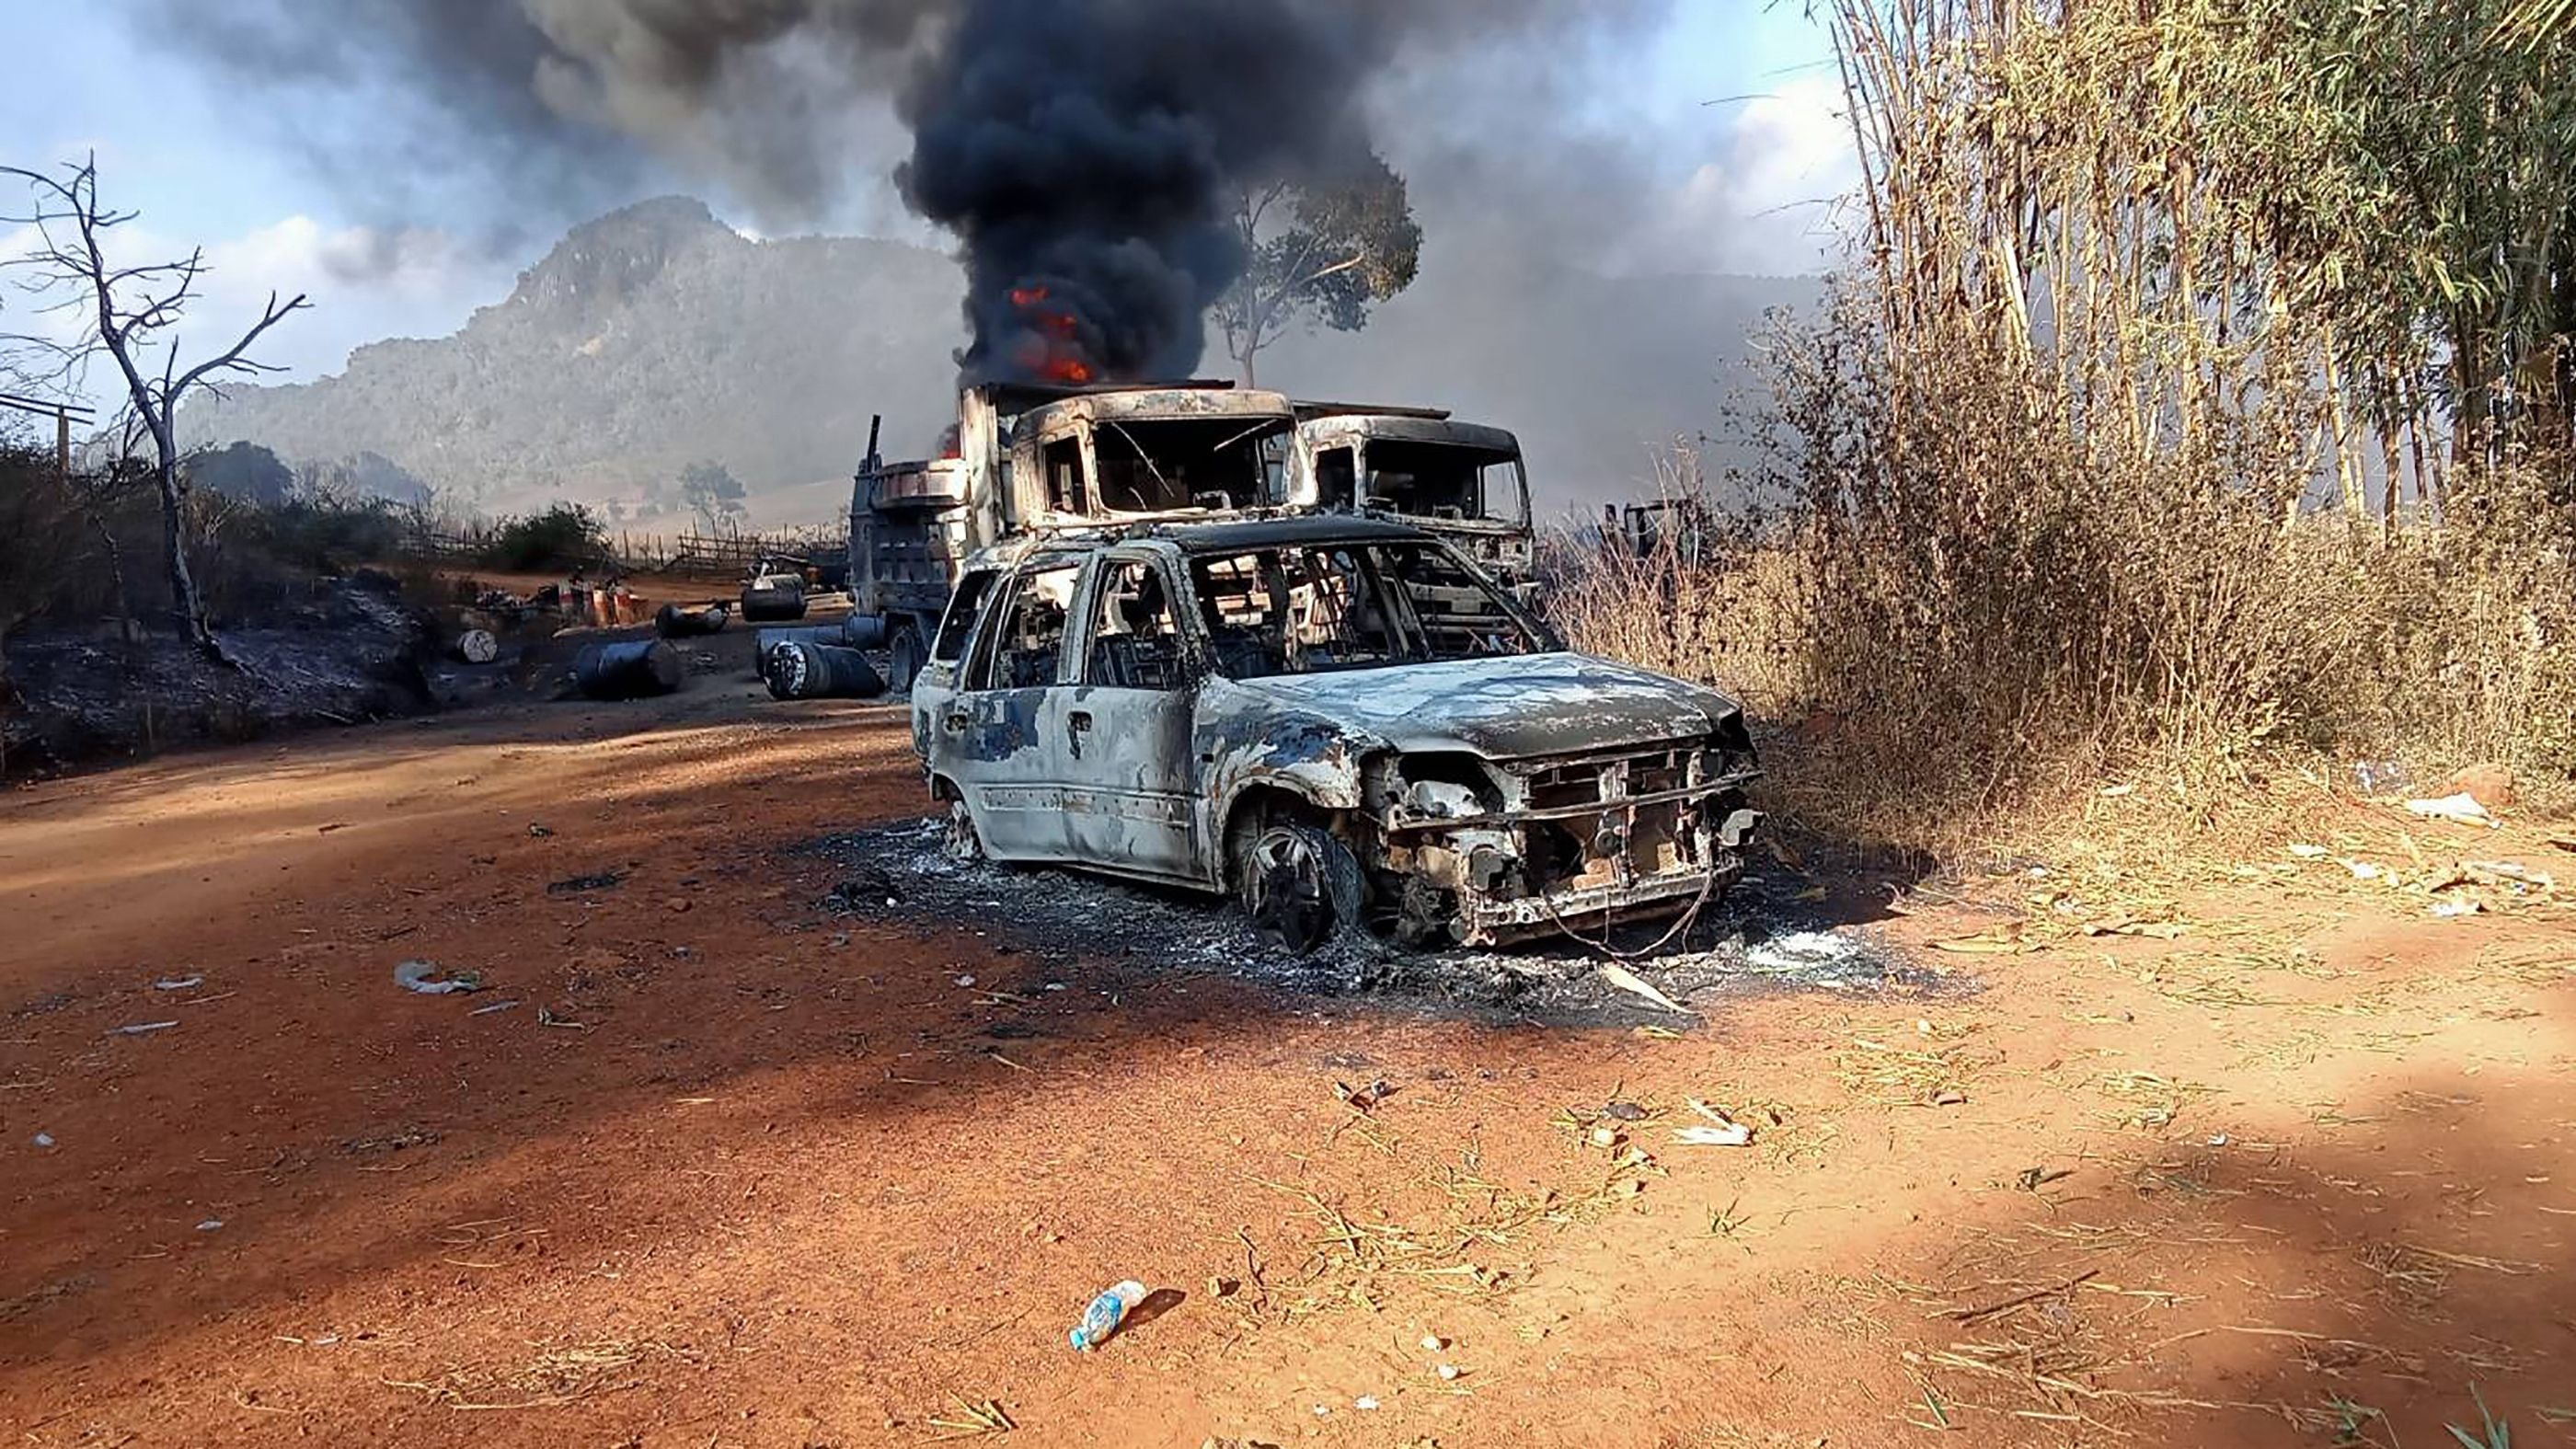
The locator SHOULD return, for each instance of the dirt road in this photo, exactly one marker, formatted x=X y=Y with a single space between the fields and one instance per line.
x=738 y=1170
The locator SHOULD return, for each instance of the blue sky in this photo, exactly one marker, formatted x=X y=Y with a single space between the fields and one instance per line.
x=1729 y=180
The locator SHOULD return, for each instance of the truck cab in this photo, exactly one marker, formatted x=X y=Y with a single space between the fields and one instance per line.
x=1463 y=482
x=1035 y=459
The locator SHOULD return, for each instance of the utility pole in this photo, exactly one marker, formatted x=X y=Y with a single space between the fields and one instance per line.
x=62 y=414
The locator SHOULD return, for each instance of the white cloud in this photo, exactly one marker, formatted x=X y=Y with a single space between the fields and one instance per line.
x=1769 y=206
x=364 y=283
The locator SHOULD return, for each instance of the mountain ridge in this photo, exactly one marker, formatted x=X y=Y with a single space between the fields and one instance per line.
x=655 y=336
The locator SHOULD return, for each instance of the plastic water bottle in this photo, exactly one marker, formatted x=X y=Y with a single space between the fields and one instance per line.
x=1106 y=1312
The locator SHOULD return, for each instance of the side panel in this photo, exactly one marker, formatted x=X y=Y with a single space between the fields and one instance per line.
x=998 y=741
x=1131 y=781
x=1000 y=737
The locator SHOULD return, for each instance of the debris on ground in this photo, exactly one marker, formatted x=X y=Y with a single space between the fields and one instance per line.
x=142 y=1028
x=2502 y=872
x=984 y=1418
x=418 y=976
x=1765 y=941
x=636 y=669
x=2462 y=807
x=1797 y=952
x=495 y=1006
x=2490 y=785
x=1635 y=985
x=179 y=983
x=1106 y=1312
x=1363 y=1100
x=574 y=885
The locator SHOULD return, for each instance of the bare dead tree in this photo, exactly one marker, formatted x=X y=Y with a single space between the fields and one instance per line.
x=128 y=313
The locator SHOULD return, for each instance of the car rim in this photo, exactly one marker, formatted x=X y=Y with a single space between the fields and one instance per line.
x=1289 y=899
x=962 y=841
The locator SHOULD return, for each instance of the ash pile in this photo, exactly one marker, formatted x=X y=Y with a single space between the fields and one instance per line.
x=1764 y=941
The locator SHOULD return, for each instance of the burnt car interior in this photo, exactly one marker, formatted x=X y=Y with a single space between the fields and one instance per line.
x=1162 y=465
x=959 y=621
x=1030 y=631
x=1135 y=638
x=1357 y=606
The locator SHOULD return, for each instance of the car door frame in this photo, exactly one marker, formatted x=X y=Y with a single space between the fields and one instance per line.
x=937 y=681
x=1131 y=781
x=998 y=747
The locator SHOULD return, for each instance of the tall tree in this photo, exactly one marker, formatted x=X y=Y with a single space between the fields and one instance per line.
x=1320 y=252
x=712 y=490
x=129 y=314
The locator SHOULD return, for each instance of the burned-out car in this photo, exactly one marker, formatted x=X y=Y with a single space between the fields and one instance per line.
x=1340 y=719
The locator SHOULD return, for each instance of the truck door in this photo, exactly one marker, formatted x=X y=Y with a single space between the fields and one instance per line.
x=1000 y=736
x=1131 y=797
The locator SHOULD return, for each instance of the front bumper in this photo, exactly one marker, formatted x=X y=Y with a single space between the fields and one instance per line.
x=1570 y=855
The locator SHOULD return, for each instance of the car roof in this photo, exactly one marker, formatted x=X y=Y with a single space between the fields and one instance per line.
x=1305 y=528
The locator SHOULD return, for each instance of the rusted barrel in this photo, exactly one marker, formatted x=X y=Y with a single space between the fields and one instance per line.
x=631 y=670
x=821 y=671
x=673 y=622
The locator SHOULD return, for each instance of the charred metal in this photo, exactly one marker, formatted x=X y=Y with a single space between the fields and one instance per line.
x=1343 y=721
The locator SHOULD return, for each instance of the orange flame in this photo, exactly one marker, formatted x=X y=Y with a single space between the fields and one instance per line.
x=1053 y=351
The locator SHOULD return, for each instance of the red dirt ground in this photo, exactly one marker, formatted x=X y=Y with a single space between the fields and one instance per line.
x=758 y=1176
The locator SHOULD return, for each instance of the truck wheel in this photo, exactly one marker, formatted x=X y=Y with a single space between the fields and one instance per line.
x=903 y=660
x=1300 y=887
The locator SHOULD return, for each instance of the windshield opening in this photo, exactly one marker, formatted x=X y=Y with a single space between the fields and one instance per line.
x=1349 y=606
x=1443 y=480
x=1162 y=465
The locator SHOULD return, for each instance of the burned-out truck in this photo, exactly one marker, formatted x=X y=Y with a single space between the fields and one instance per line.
x=1033 y=458
x=1462 y=482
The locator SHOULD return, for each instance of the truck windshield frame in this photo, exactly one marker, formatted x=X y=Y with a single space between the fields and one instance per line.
x=1173 y=465
x=1453 y=482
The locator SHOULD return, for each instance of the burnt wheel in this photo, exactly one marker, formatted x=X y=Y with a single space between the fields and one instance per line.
x=962 y=844
x=1300 y=886
x=903 y=660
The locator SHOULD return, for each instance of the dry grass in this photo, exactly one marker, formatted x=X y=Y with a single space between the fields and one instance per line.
x=2043 y=509
x=1909 y=1066
x=559 y=1374
x=1456 y=1232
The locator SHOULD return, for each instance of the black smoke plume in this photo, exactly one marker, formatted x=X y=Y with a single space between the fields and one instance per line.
x=1088 y=155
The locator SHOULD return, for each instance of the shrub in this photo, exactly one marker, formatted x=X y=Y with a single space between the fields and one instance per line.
x=564 y=536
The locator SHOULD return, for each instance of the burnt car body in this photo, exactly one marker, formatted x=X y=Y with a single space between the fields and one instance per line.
x=1341 y=719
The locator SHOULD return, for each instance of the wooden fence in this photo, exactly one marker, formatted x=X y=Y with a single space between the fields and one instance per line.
x=722 y=557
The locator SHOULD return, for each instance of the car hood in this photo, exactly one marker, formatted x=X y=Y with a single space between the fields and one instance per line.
x=1513 y=707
